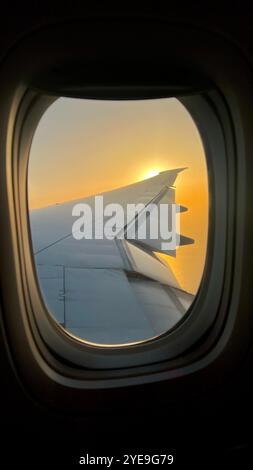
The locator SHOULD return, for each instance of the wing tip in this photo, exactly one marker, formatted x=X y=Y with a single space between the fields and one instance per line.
x=174 y=170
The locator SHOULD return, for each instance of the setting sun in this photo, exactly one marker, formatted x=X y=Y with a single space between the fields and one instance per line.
x=150 y=174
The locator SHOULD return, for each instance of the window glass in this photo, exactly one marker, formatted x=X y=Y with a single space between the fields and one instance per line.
x=118 y=205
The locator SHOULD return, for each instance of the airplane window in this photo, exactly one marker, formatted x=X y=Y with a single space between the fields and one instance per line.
x=118 y=206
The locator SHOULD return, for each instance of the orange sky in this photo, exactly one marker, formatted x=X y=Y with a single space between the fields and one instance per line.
x=84 y=147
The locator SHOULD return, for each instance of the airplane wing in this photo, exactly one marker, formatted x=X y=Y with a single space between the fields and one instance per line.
x=108 y=291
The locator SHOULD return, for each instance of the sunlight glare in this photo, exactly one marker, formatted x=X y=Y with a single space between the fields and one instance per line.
x=151 y=173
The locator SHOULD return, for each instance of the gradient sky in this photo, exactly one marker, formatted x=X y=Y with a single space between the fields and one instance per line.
x=83 y=147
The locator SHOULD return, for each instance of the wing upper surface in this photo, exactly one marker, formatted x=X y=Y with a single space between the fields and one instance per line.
x=106 y=285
